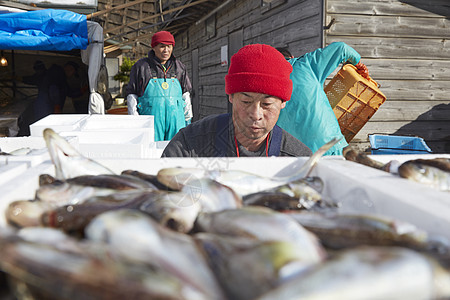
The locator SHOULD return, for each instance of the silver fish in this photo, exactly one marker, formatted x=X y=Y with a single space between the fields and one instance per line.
x=51 y=237
x=46 y=272
x=24 y=213
x=147 y=177
x=18 y=152
x=74 y=218
x=369 y=273
x=263 y=224
x=68 y=161
x=174 y=210
x=78 y=189
x=304 y=193
x=139 y=239
x=339 y=231
x=211 y=195
x=360 y=157
x=247 y=268
x=426 y=173
x=241 y=182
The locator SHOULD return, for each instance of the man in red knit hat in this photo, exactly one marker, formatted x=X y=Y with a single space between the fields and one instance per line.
x=258 y=86
x=159 y=86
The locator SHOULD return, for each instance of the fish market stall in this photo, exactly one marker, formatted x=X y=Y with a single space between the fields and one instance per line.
x=184 y=228
x=356 y=188
x=55 y=30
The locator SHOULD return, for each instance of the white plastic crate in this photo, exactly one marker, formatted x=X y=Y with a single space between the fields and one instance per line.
x=157 y=148
x=11 y=170
x=120 y=123
x=22 y=186
x=58 y=122
x=36 y=146
x=102 y=122
x=131 y=143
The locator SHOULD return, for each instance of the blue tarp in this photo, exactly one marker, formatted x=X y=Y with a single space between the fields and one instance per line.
x=47 y=29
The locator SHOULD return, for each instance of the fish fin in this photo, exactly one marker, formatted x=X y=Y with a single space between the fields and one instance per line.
x=312 y=161
x=62 y=152
x=308 y=166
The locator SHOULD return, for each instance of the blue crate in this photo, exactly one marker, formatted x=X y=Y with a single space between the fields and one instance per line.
x=395 y=144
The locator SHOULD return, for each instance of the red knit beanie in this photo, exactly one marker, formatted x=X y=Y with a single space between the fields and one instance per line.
x=261 y=69
x=162 y=37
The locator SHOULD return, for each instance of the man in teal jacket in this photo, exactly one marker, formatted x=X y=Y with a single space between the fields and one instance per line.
x=308 y=116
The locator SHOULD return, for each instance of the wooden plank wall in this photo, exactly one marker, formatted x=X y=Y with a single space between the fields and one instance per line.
x=295 y=23
x=406 y=46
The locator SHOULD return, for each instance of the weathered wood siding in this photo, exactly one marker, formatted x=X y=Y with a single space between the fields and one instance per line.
x=406 y=46
x=295 y=23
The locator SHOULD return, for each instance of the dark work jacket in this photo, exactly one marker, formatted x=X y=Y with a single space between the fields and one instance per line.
x=199 y=140
x=146 y=68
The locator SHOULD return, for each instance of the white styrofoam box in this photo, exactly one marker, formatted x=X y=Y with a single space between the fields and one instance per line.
x=96 y=122
x=23 y=186
x=119 y=123
x=362 y=189
x=358 y=188
x=58 y=122
x=36 y=146
x=130 y=143
x=9 y=170
x=157 y=148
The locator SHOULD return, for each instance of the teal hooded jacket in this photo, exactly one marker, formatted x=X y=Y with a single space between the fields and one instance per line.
x=308 y=115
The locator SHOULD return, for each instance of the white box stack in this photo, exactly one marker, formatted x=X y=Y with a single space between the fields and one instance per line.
x=58 y=122
x=112 y=144
x=157 y=148
x=104 y=136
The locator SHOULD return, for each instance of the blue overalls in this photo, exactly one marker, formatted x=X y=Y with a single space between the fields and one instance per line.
x=162 y=98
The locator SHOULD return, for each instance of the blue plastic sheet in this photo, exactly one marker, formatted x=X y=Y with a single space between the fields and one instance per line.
x=47 y=29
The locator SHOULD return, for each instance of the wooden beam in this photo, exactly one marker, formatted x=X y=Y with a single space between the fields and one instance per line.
x=102 y=12
x=111 y=48
x=154 y=16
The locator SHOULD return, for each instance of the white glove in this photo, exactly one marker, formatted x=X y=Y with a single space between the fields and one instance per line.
x=187 y=106
x=96 y=104
x=132 y=104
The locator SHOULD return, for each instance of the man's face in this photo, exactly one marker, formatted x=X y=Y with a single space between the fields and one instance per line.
x=163 y=52
x=255 y=114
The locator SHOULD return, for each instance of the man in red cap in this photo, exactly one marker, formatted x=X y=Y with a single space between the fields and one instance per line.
x=159 y=86
x=258 y=86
